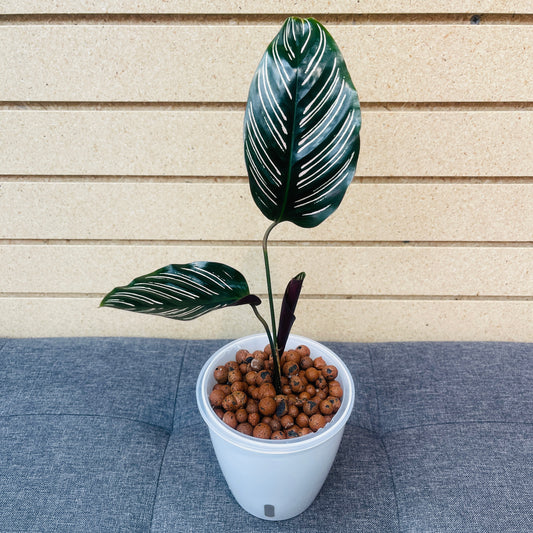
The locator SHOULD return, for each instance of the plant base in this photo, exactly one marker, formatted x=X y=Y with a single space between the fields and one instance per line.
x=274 y=480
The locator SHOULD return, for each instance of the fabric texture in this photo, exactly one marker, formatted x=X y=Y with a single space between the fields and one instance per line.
x=103 y=434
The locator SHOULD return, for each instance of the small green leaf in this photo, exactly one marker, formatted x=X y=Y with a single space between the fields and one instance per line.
x=301 y=127
x=183 y=292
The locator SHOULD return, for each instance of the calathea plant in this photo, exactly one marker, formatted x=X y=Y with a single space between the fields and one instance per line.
x=301 y=144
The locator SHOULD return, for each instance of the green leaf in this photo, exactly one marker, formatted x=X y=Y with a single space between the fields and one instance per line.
x=183 y=292
x=301 y=128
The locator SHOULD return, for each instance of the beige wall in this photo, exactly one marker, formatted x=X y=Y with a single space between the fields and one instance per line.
x=121 y=151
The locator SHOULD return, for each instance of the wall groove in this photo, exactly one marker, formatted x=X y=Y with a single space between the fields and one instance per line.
x=303 y=296
x=274 y=19
x=272 y=242
x=240 y=106
x=121 y=151
x=359 y=180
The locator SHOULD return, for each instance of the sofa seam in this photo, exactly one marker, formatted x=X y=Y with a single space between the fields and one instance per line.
x=185 y=350
x=378 y=432
x=90 y=415
x=458 y=423
x=393 y=483
x=4 y=344
x=374 y=388
x=178 y=381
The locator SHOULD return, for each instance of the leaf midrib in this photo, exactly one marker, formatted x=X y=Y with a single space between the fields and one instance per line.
x=293 y=137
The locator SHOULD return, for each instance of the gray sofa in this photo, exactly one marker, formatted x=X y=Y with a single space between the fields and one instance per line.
x=103 y=434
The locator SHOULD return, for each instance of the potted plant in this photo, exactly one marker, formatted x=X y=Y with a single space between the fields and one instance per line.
x=301 y=144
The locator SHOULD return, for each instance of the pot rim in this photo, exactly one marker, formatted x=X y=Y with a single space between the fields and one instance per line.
x=275 y=446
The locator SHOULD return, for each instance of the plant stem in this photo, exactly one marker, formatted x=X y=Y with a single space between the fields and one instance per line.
x=268 y=279
x=276 y=378
x=265 y=324
x=273 y=340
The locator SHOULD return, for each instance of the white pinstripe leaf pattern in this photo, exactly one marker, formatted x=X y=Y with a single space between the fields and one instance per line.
x=301 y=128
x=183 y=292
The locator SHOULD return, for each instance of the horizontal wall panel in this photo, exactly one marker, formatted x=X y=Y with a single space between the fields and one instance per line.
x=226 y=211
x=200 y=64
x=331 y=270
x=121 y=151
x=342 y=320
x=209 y=143
x=266 y=6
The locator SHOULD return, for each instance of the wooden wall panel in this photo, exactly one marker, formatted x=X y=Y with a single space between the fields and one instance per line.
x=444 y=271
x=195 y=63
x=178 y=142
x=364 y=320
x=241 y=7
x=226 y=212
x=121 y=151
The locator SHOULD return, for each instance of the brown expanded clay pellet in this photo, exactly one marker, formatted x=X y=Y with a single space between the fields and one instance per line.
x=246 y=400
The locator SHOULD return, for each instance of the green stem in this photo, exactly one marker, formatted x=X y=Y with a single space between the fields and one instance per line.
x=265 y=324
x=273 y=340
x=268 y=279
x=276 y=378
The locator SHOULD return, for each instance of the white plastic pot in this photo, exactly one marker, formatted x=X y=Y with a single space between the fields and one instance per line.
x=274 y=480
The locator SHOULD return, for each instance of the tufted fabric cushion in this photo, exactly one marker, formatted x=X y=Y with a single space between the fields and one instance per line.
x=103 y=434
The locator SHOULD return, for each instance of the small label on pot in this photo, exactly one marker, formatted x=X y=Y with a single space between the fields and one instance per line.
x=269 y=511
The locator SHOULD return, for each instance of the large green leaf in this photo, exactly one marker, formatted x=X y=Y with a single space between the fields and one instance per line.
x=183 y=292
x=301 y=128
